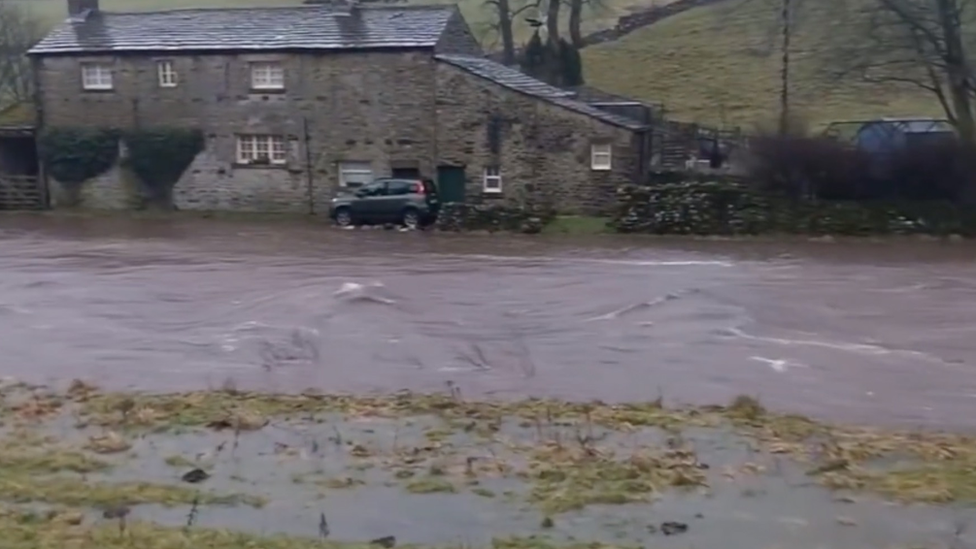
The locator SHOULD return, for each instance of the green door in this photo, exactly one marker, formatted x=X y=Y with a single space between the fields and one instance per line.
x=450 y=184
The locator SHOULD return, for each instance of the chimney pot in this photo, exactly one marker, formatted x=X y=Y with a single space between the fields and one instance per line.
x=77 y=8
x=344 y=7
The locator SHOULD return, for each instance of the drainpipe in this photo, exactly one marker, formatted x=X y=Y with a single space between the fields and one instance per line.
x=308 y=166
x=42 y=182
x=641 y=136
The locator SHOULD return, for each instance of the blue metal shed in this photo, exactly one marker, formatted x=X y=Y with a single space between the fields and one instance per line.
x=889 y=135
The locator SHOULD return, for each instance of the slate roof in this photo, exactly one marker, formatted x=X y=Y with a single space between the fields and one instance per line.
x=522 y=83
x=308 y=27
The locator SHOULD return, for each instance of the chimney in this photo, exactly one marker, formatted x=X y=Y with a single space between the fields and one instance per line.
x=81 y=8
x=344 y=8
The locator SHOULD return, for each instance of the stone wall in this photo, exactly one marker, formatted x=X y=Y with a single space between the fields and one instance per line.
x=543 y=149
x=725 y=208
x=648 y=16
x=457 y=217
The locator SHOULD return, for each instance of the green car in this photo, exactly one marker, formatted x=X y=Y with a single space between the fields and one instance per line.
x=409 y=202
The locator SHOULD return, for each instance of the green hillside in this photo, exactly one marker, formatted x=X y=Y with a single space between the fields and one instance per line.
x=720 y=65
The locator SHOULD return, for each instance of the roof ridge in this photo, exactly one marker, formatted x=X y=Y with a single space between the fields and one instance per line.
x=565 y=101
x=301 y=27
x=393 y=5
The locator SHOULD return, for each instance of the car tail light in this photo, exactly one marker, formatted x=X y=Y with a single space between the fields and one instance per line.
x=419 y=188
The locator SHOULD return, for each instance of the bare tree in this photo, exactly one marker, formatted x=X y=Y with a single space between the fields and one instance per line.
x=923 y=43
x=552 y=21
x=575 y=21
x=18 y=32
x=576 y=18
x=503 y=23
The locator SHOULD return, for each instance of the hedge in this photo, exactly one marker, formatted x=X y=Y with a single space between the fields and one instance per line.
x=726 y=208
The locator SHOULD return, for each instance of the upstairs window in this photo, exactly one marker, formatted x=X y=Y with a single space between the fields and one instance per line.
x=492 y=182
x=96 y=76
x=267 y=76
x=167 y=74
x=601 y=156
x=261 y=150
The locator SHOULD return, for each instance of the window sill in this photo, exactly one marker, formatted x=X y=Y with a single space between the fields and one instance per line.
x=98 y=90
x=243 y=166
x=267 y=91
x=492 y=194
x=601 y=168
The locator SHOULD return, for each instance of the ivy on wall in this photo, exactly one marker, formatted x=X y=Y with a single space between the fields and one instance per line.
x=75 y=155
x=159 y=156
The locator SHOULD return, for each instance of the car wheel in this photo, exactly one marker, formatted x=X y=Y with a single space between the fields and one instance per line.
x=411 y=218
x=343 y=217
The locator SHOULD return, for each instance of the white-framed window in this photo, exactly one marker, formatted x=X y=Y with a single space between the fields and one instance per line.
x=96 y=76
x=492 y=182
x=601 y=156
x=261 y=149
x=167 y=73
x=355 y=174
x=267 y=75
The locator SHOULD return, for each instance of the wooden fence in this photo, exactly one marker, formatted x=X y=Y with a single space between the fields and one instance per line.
x=21 y=192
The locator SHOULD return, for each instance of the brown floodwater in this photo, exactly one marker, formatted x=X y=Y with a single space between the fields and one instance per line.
x=867 y=331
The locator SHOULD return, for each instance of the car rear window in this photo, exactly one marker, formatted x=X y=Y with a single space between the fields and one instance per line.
x=398 y=187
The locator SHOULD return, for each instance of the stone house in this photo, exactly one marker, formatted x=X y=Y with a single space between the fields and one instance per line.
x=296 y=102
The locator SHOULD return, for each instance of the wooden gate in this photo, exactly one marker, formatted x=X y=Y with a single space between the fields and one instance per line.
x=21 y=192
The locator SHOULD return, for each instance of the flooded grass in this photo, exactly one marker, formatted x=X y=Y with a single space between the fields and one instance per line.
x=429 y=485
x=534 y=461
x=577 y=225
x=25 y=453
x=853 y=450
x=77 y=492
x=59 y=529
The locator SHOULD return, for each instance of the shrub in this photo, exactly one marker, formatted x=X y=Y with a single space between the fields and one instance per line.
x=940 y=170
x=818 y=167
x=809 y=167
x=75 y=155
x=159 y=156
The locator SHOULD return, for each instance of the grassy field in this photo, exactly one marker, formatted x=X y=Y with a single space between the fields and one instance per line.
x=720 y=65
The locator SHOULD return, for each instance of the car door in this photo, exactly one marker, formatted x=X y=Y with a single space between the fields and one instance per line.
x=368 y=206
x=397 y=197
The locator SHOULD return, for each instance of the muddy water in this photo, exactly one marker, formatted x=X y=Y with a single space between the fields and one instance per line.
x=867 y=332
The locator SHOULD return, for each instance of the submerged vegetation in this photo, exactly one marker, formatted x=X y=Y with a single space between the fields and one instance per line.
x=565 y=455
x=59 y=529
